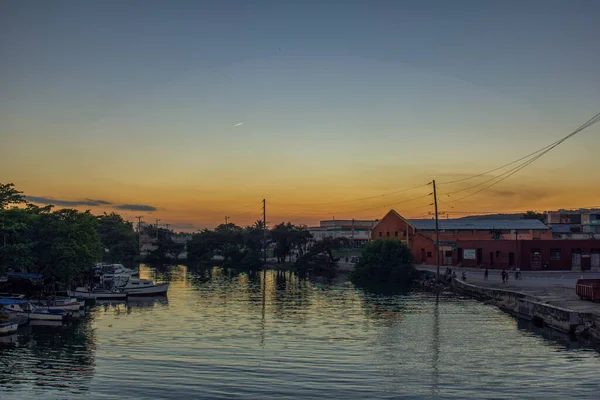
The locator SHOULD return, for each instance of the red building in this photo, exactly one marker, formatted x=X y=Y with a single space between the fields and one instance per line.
x=525 y=243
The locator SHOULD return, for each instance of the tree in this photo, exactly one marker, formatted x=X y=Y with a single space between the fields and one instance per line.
x=66 y=244
x=384 y=261
x=9 y=195
x=167 y=249
x=118 y=236
x=202 y=247
x=534 y=215
x=320 y=258
x=288 y=237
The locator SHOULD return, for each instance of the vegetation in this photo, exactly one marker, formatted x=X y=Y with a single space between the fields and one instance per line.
x=237 y=246
x=61 y=245
x=167 y=249
x=320 y=257
x=118 y=238
x=384 y=262
x=534 y=215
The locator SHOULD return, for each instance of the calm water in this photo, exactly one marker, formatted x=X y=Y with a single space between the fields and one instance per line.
x=241 y=336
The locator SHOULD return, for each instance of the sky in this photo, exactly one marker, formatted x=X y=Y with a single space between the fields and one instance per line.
x=190 y=111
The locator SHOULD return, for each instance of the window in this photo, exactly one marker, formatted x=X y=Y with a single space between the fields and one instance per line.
x=387 y=234
x=428 y=254
x=380 y=234
x=497 y=253
x=396 y=234
x=555 y=254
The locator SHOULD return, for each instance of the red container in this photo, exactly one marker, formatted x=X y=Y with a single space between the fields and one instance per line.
x=588 y=289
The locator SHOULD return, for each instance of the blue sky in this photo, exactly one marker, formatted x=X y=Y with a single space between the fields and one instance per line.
x=137 y=99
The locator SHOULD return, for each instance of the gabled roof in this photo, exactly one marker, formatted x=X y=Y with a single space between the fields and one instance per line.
x=483 y=224
x=392 y=212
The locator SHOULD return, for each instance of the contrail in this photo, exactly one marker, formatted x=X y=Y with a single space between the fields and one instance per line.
x=238 y=124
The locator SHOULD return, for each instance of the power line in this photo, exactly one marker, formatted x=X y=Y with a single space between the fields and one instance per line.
x=369 y=197
x=514 y=170
x=545 y=149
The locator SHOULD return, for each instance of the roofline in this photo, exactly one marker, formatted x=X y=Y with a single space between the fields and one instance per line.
x=398 y=215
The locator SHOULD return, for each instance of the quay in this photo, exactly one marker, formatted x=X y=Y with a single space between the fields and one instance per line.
x=546 y=297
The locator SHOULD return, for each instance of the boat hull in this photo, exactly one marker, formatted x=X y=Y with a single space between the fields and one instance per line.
x=7 y=328
x=98 y=295
x=155 y=290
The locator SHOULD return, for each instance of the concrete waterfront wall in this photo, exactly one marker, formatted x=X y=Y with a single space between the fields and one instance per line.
x=530 y=307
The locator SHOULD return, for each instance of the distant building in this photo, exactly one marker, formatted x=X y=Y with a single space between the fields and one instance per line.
x=357 y=231
x=574 y=224
x=524 y=243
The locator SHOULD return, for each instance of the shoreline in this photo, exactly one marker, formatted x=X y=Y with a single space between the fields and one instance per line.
x=583 y=325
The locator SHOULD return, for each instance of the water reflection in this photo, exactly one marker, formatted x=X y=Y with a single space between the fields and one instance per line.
x=60 y=357
x=277 y=334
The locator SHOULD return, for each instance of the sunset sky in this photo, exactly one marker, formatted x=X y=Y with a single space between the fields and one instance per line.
x=190 y=111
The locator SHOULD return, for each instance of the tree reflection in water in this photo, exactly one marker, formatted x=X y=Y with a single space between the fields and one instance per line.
x=60 y=358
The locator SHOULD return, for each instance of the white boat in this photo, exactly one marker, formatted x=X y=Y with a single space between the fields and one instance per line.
x=61 y=304
x=111 y=271
x=7 y=328
x=144 y=287
x=97 y=294
x=20 y=308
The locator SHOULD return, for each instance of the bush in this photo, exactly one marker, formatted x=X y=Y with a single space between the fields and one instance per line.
x=384 y=261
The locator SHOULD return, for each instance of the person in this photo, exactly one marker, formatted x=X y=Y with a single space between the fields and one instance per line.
x=453 y=275
x=503 y=274
x=518 y=273
x=464 y=275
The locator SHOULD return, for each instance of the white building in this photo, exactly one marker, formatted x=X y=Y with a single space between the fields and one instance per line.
x=357 y=231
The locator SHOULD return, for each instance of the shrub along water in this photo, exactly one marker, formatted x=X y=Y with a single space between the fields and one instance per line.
x=384 y=262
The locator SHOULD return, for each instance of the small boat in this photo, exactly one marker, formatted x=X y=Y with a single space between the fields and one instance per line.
x=97 y=294
x=9 y=327
x=19 y=308
x=63 y=303
x=144 y=287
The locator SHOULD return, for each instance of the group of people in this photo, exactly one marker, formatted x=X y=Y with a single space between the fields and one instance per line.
x=504 y=275
x=450 y=275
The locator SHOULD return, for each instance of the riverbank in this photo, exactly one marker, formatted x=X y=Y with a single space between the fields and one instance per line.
x=547 y=298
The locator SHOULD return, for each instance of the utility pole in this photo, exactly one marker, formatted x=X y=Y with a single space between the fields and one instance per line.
x=157 y=228
x=437 y=232
x=517 y=248
x=226 y=219
x=264 y=230
x=139 y=218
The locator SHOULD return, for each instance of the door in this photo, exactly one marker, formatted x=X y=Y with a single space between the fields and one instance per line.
x=595 y=259
x=576 y=258
x=511 y=259
x=448 y=257
x=479 y=256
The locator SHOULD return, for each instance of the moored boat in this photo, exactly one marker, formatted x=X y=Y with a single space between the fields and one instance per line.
x=97 y=294
x=20 y=308
x=144 y=287
x=9 y=327
x=64 y=304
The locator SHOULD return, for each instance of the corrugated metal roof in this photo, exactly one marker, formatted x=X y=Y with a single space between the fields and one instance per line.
x=451 y=224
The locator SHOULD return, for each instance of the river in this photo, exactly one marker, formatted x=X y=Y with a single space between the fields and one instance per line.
x=240 y=336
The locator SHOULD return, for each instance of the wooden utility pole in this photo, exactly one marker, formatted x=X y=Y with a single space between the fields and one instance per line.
x=157 y=220
x=437 y=232
x=226 y=219
x=264 y=230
